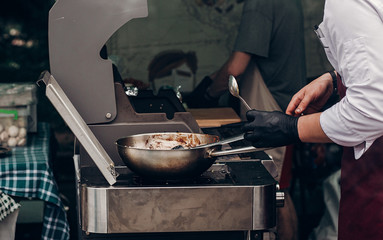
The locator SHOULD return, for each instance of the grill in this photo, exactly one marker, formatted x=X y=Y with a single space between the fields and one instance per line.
x=235 y=197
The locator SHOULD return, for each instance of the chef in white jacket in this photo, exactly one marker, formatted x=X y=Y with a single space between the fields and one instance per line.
x=352 y=36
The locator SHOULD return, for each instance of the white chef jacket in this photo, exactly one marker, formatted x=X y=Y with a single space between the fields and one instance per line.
x=353 y=39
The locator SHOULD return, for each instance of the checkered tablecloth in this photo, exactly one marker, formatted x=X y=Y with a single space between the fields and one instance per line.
x=7 y=205
x=26 y=173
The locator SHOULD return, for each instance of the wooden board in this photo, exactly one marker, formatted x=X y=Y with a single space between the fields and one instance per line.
x=214 y=117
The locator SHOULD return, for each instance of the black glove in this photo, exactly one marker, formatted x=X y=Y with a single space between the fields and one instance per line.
x=270 y=129
x=199 y=98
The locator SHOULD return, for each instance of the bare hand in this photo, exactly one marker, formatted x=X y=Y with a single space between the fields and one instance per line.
x=312 y=97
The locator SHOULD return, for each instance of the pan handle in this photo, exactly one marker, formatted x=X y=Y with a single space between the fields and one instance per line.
x=224 y=141
x=248 y=149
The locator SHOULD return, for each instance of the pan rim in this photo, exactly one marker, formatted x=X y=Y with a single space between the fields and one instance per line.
x=150 y=134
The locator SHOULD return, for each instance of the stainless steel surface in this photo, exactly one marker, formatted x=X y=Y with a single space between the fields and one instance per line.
x=168 y=163
x=263 y=205
x=178 y=208
x=133 y=210
x=234 y=90
x=75 y=122
x=97 y=206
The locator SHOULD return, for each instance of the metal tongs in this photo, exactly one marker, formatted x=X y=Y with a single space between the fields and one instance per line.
x=222 y=142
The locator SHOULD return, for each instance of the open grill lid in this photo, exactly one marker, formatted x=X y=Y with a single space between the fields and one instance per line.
x=79 y=128
x=77 y=32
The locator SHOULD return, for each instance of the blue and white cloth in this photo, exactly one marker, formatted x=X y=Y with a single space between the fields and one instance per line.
x=26 y=173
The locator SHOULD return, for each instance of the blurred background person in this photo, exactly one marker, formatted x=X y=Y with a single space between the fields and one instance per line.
x=268 y=59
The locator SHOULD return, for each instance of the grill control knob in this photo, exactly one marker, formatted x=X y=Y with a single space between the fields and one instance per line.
x=280 y=196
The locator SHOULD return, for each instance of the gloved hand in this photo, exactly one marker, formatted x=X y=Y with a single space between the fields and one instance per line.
x=199 y=98
x=270 y=129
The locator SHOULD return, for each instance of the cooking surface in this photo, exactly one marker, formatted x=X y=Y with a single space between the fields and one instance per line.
x=226 y=176
x=235 y=173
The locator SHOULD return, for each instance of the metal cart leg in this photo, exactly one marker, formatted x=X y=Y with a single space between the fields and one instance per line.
x=76 y=161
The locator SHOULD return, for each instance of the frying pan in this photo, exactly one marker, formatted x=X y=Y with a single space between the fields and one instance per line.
x=151 y=154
